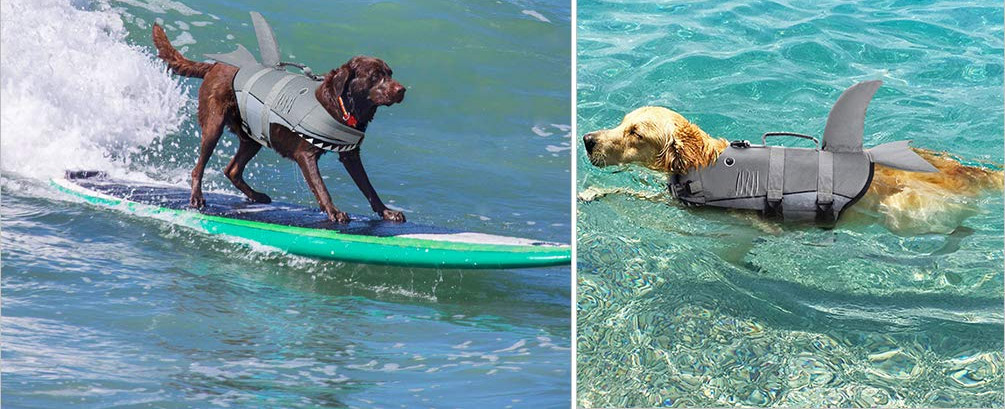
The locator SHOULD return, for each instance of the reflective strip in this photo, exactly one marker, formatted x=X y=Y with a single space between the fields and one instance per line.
x=243 y=105
x=825 y=178
x=269 y=101
x=776 y=173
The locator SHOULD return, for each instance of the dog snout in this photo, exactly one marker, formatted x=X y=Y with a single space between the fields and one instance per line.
x=398 y=91
x=590 y=141
x=391 y=92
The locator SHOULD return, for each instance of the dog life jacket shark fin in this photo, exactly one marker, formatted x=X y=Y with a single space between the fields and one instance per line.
x=800 y=183
x=267 y=94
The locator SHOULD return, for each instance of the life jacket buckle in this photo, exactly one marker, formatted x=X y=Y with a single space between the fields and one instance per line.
x=772 y=208
x=825 y=211
x=740 y=144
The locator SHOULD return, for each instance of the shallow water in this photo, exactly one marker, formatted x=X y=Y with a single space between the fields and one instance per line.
x=103 y=309
x=685 y=307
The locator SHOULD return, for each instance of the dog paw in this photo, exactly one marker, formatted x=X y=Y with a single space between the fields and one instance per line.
x=338 y=216
x=197 y=201
x=261 y=198
x=393 y=215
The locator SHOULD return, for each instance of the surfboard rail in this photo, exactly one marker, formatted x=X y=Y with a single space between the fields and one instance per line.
x=334 y=245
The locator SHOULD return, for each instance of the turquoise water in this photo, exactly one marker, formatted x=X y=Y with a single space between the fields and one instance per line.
x=101 y=309
x=682 y=307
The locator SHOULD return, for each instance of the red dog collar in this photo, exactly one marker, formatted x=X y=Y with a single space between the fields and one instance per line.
x=346 y=117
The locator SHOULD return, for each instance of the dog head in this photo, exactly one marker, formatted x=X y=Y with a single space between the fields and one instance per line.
x=654 y=137
x=365 y=83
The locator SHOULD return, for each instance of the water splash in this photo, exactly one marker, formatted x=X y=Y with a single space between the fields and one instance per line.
x=75 y=94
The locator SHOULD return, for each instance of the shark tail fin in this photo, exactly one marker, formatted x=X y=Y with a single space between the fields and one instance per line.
x=846 y=121
x=899 y=156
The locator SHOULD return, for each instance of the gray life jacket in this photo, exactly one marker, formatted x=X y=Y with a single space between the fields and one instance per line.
x=268 y=94
x=800 y=183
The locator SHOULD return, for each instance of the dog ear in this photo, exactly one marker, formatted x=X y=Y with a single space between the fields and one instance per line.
x=667 y=158
x=339 y=79
x=687 y=147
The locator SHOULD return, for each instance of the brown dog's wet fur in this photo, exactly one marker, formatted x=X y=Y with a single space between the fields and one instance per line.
x=364 y=83
x=663 y=140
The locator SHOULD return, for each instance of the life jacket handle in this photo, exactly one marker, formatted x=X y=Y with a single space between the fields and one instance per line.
x=307 y=70
x=764 y=138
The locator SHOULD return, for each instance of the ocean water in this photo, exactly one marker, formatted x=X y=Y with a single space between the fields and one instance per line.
x=684 y=307
x=101 y=309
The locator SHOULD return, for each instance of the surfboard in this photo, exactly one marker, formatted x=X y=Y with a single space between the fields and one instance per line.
x=306 y=231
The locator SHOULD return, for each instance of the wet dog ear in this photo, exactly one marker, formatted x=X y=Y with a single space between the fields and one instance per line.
x=339 y=79
x=686 y=147
x=667 y=158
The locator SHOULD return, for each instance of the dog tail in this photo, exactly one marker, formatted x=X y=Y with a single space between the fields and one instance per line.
x=178 y=63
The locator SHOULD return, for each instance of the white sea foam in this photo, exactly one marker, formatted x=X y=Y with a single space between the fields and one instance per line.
x=75 y=94
x=163 y=6
x=185 y=38
x=540 y=131
x=536 y=15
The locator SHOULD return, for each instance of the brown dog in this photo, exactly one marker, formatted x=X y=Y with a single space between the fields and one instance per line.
x=663 y=140
x=364 y=83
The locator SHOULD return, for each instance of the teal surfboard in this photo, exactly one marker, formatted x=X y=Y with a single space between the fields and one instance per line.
x=307 y=232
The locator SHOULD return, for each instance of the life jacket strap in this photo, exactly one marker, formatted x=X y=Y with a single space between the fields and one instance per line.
x=776 y=181
x=243 y=108
x=269 y=102
x=689 y=192
x=825 y=186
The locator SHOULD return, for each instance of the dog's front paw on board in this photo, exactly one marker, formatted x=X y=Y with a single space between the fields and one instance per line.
x=197 y=201
x=393 y=215
x=260 y=198
x=338 y=216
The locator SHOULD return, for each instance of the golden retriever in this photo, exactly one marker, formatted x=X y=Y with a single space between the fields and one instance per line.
x=663 y=140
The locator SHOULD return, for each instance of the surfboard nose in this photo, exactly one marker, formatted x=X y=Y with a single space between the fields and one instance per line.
x=846 y=121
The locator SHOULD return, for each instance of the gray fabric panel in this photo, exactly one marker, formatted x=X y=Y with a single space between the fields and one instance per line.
x=321 y=123
x=825 y=178
x=776 y=173
x=268 y=48
x=899 y=155
x=846 y=121
x=745 y=178
x=253 y=121
x=851 y=173
x=264 y=84
x=800 y=170
x=270 y=101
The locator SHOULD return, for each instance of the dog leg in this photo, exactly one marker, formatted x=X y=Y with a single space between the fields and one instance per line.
x=212 y=128
x=246 y=150
x=354 y=165
x=309 y=166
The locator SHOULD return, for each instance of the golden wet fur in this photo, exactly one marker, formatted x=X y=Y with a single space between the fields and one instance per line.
x=663 y=140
